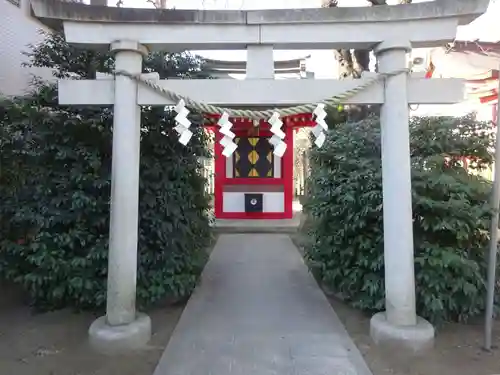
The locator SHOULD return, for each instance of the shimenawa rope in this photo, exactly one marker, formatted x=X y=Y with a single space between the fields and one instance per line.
x=254 y=114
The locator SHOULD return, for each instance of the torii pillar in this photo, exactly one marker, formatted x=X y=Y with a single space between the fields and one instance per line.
x=122 y=328
x=399 y=323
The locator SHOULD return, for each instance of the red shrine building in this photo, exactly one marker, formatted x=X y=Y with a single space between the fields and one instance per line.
x=253 y=183
x=478 y=63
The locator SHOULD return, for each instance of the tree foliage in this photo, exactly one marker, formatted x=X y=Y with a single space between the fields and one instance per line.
x=55 y=188
x=450 y=213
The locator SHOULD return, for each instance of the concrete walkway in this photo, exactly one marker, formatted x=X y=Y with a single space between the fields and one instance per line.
x=258 y=311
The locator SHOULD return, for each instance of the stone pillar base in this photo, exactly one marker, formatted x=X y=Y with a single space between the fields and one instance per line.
x=111 y=340
x=413 y=339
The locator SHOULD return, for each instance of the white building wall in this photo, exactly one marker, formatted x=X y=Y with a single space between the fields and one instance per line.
x=17 y=30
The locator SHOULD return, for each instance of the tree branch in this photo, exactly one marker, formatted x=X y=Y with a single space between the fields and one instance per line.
x=329 y=3
x=343 y=56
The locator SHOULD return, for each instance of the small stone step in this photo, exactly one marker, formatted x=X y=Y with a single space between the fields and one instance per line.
x=258 y=226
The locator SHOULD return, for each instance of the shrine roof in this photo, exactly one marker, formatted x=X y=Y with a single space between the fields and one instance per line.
x=240 y=65
x=53 y=12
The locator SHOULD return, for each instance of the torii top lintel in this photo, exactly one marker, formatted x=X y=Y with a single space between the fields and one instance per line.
x=423 y=24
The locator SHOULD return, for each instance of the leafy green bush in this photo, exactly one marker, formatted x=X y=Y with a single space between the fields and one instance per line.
x=55 y=189
x=449 y=209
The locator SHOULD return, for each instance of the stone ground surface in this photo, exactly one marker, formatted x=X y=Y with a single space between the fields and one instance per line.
x=457 y=349
x=55 y=343
x=258 y=311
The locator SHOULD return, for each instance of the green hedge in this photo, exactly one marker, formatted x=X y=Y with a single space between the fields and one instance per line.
x=450 y=214
x=55 y=188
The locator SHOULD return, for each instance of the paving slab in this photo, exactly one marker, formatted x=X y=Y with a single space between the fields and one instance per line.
x=258 y=311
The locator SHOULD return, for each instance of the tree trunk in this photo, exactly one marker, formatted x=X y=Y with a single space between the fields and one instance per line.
x=343 y=56
x=354 y=63
x=158 y=4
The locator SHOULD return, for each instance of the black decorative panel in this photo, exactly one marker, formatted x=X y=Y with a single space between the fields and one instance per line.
x=253 y=158
x=254 y=202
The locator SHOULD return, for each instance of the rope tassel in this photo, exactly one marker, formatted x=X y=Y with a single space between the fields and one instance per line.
x=321 y=125
x=278 y=135
x=227 y=142
x=183 y=123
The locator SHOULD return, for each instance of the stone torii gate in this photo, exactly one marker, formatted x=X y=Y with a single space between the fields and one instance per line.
x=131 y=33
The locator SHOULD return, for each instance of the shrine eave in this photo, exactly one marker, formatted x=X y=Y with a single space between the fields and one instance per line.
x=294 y=121
x=234 y=29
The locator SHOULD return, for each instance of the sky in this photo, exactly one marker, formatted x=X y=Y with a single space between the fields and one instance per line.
x=321 y=62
